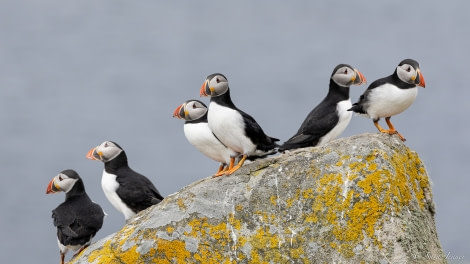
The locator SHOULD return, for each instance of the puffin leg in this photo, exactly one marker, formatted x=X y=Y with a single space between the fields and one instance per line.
x=381 y=129
x=235 y=168
x=221 y=170
x=62 y=258
x=229 y=167
x=80 y=251
x=392 y=129
x=232 y=162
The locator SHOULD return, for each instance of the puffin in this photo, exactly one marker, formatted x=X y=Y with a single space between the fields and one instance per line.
x=199 y=134
x=128 y=191
x=391 y=95
x=329 y=118
x=234 y=128
x=77 y=219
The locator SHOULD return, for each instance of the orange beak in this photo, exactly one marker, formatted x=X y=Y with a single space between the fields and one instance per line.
x=179 y=112
x=90 y=154
x=204 y=87
x=421 y=83
x=50 y=187
x=361 y=78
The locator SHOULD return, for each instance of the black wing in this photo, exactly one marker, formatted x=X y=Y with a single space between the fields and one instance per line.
x=137 y=191
x=321 y=120
x=254 y=131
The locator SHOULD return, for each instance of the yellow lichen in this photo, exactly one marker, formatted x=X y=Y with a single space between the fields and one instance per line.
x=371 y=157
x=181 y=204
x=290 y=201
x=273 y=199
x=219 y=232
x=346 y=250
x=383 y=192
x=265 y=241
x=357 y=166
x=131 y=255
x=170 y=252
x=312 y=218
x=239 y=207
x=308 y=194
x=234 y=222
x=372 y=167
x=104 y=255
x=125 y=233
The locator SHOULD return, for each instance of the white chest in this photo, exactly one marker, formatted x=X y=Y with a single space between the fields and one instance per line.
x=389 y=100
x=343 y=121
x=109 y=186
x=201 y=137
x=229 y=127
x=65 y=248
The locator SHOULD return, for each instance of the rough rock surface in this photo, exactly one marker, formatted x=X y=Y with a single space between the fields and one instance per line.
x=362 y=199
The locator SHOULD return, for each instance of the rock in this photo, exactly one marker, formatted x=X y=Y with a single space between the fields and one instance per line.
x=363 y=198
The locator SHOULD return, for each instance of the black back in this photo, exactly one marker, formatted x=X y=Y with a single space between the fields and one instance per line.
x=321 y=120
x=78 y=218
x=135 y=190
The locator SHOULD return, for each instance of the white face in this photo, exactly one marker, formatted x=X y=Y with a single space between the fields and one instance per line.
x=218 y=85
x=407 y=73
x=63 y=182
x=108 y=151
x=194 y=110
x=344 y=76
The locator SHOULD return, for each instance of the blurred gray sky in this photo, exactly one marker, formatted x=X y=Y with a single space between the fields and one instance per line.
x=76 y=73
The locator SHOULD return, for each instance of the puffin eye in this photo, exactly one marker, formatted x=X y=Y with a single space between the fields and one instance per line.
x=60 y=178
x=345 y=71
x=194 y=106
x=217 y=80
x=408 y=69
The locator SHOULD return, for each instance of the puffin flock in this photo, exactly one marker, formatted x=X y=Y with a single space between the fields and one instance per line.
x=229 y=136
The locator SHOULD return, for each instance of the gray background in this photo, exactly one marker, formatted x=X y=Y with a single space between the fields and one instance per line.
x=76 y=73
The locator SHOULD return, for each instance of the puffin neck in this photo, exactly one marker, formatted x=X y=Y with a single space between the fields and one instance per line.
x=78 y=189
x=116 y=163
x=224 y=99
x=399 y=83
x=202 y=119
x=339 y=92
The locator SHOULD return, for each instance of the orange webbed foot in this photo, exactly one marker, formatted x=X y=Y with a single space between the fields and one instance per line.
x=238 y=166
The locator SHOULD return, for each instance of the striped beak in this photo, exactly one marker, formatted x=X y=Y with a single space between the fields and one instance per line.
x=52 y=187
x=360 y=79
x=93 y=155
x=205 y=89
x=420 y=79
x=179 y=112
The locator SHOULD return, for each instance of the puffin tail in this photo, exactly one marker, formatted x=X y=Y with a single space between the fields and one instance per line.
x=357 y=108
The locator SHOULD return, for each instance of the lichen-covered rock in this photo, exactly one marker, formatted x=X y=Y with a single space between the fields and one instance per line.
x=364 y=199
